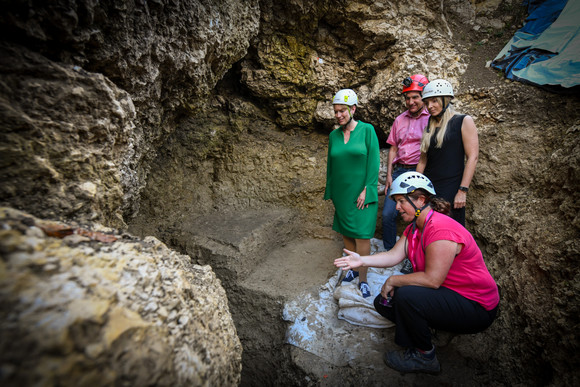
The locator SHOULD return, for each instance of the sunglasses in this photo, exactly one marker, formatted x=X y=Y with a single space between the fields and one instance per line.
x=408 y=82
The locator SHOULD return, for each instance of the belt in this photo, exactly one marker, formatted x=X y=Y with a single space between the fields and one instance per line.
x=406 y=166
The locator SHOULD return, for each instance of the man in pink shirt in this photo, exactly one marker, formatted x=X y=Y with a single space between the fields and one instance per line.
x=405 y=141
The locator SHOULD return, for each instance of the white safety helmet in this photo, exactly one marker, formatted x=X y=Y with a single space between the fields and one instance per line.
x=438 y=88
x=345 y=97
x=409 y=182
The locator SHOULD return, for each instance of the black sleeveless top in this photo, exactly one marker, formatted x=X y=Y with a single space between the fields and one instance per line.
x=445 y=165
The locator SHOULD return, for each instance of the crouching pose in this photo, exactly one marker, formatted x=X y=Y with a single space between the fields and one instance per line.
x=450 y=288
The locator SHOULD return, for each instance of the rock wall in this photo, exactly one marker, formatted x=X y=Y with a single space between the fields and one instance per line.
x=67 y=139
x=303 y=54
x=525 y=215
x=216 y=105
x=88 y=90
x=86 y=306
x=72 y=71
x=302 y=58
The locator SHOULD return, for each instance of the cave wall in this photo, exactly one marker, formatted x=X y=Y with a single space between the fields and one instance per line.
x=220 y=105
x=105 y=80
x=88 y=90
x=280 y=93
x=525 y=215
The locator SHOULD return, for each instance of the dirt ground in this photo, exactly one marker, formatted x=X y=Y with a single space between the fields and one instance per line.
x=482 y=46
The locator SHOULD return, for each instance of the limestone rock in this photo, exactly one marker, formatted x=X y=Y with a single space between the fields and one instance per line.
x=68 y=137
x=89 y=312
x=225 y=104
x=365 y=45
x=162 y=57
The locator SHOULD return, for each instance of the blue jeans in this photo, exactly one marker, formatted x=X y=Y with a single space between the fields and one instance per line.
x=390 y=213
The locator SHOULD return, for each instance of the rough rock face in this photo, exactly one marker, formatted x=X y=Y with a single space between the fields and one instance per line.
x=525 y=215
x=147 y=104
x=94 y=308
x=165 y=56
x=303 y=55
x=227 y=152
x=302 y=59
x=87 y=90
x=68 y=138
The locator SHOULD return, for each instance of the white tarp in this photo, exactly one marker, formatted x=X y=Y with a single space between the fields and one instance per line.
x=318 y=322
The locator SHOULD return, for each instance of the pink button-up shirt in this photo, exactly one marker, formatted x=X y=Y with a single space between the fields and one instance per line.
x=406 y=134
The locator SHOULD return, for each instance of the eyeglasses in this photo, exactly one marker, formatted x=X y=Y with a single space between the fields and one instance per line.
x=409 y=81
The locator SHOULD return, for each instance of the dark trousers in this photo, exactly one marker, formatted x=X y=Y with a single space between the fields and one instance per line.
x=390 y=211
x=415 y=309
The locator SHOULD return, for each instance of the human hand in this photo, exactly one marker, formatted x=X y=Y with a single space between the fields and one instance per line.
x=360 y=201
x=388 y=182
x=351 y=261
x=387 y=289
x=460 y=199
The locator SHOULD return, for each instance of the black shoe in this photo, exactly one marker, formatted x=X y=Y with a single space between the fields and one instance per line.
x=411 y=360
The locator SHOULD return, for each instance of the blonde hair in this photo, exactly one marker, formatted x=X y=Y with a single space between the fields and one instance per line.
x=434 y=123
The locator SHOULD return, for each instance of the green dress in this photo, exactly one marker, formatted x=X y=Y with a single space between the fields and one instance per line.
x=350 y=168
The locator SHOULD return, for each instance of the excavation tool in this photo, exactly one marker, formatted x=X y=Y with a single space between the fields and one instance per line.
x=341 y=275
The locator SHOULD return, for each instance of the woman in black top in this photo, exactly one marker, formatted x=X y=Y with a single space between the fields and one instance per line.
x=449 y=148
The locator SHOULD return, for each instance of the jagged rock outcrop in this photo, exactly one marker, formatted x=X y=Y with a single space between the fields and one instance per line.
x=68 y=138
x=163 y=57
x=85 y=306
x=87 y=91
x=301 y=59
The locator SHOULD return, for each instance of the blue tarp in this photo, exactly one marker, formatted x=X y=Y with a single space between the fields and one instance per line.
x=546 y=50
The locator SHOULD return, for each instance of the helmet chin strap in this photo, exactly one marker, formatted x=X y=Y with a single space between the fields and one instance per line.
x=442 y=110
x=437 y=116
x=417 y=210
x=349 y=115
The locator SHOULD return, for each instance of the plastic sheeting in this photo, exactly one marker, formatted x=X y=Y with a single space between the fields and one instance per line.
x=336 y=323
x=546 y=50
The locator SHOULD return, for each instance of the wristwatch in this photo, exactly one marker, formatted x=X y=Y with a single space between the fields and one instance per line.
x=464 y=189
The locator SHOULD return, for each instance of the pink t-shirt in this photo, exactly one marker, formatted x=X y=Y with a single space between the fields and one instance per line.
x=468 y=274
x=406 y=134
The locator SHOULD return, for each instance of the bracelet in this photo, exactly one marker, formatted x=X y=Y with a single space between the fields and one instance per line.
x=464 y=189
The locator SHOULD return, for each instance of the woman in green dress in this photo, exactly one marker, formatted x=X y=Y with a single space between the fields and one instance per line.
x=352 y=175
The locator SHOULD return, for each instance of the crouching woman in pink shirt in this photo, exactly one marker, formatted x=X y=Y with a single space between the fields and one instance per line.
x=450 y=288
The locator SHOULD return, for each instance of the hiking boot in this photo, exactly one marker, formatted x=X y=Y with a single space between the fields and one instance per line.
x=350 y=275
x=411 y=360
x=365 y=289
